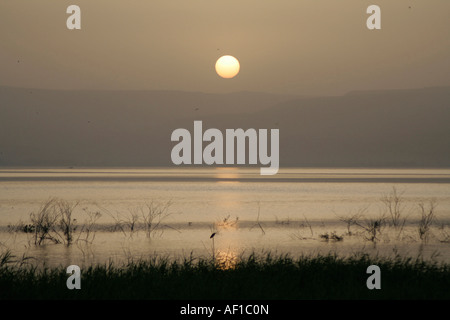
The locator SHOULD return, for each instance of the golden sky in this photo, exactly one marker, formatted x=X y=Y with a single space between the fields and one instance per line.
x=284 y=46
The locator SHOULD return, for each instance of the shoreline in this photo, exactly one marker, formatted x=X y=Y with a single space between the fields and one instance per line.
x=258 y=277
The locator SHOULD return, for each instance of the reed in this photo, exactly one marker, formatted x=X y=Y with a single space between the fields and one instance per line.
x=254 y=276
x=427 y=215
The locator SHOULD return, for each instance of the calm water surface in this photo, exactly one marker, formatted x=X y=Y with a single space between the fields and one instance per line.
x=284 y=213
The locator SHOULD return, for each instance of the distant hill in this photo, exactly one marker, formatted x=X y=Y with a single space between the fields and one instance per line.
x=397 y=128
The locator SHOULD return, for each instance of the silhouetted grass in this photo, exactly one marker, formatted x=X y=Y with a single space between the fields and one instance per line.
x=254 y=277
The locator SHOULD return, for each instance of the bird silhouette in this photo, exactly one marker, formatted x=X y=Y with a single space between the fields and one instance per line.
x=212 y=236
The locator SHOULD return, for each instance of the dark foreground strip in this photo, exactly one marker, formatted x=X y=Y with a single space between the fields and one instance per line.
x=238 y=309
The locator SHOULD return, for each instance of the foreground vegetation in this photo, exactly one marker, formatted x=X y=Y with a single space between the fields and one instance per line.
x=252 y=277
x=248 y=277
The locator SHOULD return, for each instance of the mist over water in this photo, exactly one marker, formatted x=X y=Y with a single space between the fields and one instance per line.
x=287 y=213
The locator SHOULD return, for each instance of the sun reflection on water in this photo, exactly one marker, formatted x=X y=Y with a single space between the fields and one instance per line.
x=227 y=224
x=226 y=260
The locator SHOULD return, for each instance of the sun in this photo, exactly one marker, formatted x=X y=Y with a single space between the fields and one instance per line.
x=227 y=67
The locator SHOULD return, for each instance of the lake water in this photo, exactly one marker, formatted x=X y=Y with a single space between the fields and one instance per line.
x=290 y=212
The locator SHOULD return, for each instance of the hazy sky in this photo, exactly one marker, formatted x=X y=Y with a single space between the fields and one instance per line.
x=284 y=46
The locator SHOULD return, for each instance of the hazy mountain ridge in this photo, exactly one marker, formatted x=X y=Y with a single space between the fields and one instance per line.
x=133 y=128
